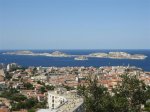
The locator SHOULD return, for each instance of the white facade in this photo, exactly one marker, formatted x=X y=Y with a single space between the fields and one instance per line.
x=61 y=100
x=11 y=66
x=55 y=100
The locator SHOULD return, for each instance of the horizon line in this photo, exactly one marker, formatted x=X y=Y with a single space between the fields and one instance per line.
x=78 y=49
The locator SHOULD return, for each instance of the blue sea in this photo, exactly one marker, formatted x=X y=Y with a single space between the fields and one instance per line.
x=44 y=61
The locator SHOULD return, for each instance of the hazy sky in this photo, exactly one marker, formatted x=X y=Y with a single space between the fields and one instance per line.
x=74 y=24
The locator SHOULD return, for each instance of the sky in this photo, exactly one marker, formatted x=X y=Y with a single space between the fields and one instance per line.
x=74 y=24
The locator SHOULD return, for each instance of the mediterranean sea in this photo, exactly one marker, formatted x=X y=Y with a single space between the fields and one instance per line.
x=45 y=61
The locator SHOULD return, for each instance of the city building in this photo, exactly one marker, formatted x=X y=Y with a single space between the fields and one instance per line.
x=11 y=66
x=61 y=100
x=2 y=75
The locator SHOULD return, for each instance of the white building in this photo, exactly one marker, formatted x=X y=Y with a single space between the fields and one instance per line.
x=41 y=77
x=11 y=66
x=61 y=100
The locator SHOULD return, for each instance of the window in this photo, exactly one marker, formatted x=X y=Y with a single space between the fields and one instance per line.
x=53 y=106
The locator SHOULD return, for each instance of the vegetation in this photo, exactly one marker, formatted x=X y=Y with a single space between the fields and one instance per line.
x=34 y=70
x=68 y=87
x=147 y=107
x=26 y=104
x=43 y=90
x=19 y=101
x=129 y=96
x=48 y=87
x=30 y=104
x=13 y=94
x=42 y=83
x=8 y=75
x=133 y=91
x=28 y=86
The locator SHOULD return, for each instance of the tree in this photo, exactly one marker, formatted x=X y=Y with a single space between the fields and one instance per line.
x=34 y=70
x=129 y=95
x=27 y=104
x=119 y=104
x=48 y=87
x=9 y=93
x=18 y=97
x=28 y=85
x=43 y=89
x=147 y=107
x=8 y=75
x=42 y=83
x=133 y=90
x=31 y=110
x=95 y=96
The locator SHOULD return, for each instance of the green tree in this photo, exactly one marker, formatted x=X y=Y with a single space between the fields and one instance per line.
x=27 y=104
x=95 y=96
x=18 y=97
x=34 y=70
x=48 y=87
x=31 y=110
x=147 y=107
x=28 y=85
x=9 y=93
x=129 y=95
x=118 y=104
x=43 y=90
x=8 y=75
x=132 y=91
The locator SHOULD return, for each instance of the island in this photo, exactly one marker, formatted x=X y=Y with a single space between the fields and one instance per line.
x=81 y=58
x=53 y=54
x=118 y=55
x=20 y=53
x=58 y=54
x=112 y=55
x=99 y=55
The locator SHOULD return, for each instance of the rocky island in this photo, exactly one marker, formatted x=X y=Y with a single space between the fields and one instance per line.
x=53 y=54
x=113 y=55
x=118 y=55
x=20 y=53
x=82 y=58
x=58 y=54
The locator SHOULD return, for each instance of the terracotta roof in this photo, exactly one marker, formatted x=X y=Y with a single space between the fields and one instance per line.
x=4 y=110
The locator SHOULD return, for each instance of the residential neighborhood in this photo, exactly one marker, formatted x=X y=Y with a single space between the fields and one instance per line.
x=20 y=86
